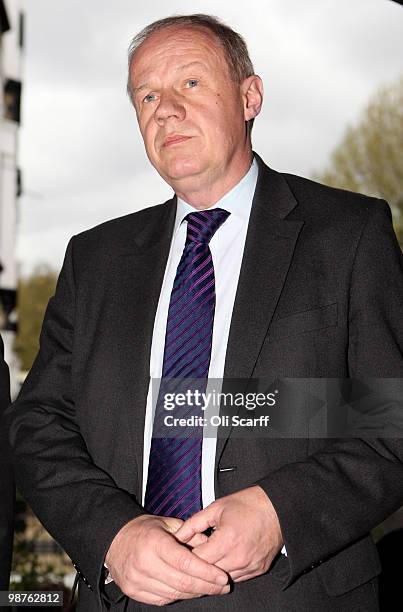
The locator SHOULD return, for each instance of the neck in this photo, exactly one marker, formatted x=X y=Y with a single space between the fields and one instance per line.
x=206 y=195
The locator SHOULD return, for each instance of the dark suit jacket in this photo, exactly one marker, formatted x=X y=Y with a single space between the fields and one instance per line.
x=7 y=493
x=320 y=294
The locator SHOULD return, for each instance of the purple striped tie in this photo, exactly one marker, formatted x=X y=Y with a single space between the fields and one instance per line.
x=174 y=470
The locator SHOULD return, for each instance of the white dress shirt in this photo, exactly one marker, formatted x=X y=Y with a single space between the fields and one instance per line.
x=227 y=246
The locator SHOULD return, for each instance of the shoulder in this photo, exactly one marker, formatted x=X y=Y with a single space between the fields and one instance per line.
x=321 y=201
x=119 y=234
x=318 y=204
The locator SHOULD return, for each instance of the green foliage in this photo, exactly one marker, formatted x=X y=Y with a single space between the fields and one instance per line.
x=369 y=158
x=33 y=296
x=26 y=562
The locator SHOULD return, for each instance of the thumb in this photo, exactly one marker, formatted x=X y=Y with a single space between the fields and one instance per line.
x=197 y=523
x=171 y=524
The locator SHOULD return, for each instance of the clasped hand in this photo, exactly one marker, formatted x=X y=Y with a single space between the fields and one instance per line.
x=158 y=560
x=246 y=533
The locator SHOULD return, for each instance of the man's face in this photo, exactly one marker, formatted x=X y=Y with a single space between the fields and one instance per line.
x=191 y=114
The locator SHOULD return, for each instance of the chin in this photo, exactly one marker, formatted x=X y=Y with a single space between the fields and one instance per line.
x=183 y=168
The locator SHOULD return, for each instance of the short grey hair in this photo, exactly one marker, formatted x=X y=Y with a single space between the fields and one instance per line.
x=235 y=50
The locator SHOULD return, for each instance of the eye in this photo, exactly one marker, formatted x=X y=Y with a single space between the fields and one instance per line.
x=149 y=98
x=191 y=83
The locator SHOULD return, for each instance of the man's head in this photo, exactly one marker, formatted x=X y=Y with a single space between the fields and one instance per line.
x=195 y=93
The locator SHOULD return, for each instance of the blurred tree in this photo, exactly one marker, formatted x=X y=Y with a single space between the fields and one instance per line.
x=369 y=158
x=34 y=292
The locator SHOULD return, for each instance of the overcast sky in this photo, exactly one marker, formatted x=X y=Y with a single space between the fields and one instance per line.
x=81 y=153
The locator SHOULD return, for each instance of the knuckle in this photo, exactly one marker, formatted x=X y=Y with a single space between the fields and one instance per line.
x=184 y=562
x=144 y=562
x=185 y=584
x=141 y=562
x=127 y=583
x=214 y=589
x=175 y=594
x=162 y=602
x=132 y=593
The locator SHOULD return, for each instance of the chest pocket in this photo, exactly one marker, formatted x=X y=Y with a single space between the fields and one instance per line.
x=305 y=321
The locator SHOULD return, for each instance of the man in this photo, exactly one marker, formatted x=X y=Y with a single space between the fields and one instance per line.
x=157 y=294
x=7 y=494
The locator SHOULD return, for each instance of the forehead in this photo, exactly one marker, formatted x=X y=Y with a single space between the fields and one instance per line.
x=177 y=45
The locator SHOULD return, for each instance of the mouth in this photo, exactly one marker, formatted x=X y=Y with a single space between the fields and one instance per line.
x=175 y=139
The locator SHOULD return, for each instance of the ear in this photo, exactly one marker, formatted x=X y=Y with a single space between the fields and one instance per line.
x=252 y=94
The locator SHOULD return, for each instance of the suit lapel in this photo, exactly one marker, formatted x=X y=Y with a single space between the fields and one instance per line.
x=139 y=270
x=269 y=247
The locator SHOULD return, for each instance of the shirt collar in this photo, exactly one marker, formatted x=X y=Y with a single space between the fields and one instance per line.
x=237 y=201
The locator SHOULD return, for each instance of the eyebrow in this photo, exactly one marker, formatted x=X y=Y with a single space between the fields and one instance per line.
x=178 y=69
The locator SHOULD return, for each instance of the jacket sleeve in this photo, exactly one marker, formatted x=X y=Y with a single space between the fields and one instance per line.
x=78 y=502
x=337 y=495
x=7 y=490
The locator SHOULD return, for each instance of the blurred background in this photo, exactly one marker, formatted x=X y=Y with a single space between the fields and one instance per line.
x=71 y=155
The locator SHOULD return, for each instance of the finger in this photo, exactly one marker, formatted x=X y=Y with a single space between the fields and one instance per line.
x=243 y=577
x=177 y=585
x=197 y=540
x=163 y=600
x=170 y=583
x=213 y=551
x=155 y=600
x=186 y=562
x=197 y=523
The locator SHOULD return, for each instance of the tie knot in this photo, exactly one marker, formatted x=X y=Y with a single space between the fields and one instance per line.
x=202 y=225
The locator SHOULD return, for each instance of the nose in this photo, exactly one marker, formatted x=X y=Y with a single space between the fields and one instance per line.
x=169 y=107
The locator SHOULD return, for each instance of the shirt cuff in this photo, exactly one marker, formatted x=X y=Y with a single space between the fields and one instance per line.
x=108 y=578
